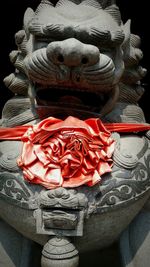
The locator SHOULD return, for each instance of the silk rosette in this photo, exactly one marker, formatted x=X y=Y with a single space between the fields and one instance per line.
x=66 y=153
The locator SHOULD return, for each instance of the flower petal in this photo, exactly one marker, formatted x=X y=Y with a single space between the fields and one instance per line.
x=95 y=179
x=54 y=177
x=76 y=181
x=28 y=156
x=103 y=168
x=38 y=150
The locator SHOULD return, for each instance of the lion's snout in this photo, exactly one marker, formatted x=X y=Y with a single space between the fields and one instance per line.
x=72 y=53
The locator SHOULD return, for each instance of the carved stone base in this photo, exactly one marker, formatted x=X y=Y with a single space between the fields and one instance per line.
x=59 y=252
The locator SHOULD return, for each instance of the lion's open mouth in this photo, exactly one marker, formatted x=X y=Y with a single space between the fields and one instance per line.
x=69 y=101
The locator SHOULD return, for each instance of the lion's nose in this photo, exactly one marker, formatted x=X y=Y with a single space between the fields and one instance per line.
x=72 y=53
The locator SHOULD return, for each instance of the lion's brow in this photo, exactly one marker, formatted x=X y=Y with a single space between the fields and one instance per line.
x=93 y=35
x=61 y=30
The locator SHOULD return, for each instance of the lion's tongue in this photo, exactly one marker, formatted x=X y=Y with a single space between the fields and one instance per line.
x=67 y=99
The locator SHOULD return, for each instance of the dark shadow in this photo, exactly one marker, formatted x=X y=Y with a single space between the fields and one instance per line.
x=107 y=257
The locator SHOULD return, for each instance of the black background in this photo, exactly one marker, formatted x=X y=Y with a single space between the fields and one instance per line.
x=11 y=22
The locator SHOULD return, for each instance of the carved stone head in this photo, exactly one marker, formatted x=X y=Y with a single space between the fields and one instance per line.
x=76 y=55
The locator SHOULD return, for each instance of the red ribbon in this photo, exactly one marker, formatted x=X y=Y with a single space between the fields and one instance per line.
x=67 y=153
x=16 y=133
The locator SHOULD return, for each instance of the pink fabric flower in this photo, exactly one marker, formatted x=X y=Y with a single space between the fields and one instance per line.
x=66 y=153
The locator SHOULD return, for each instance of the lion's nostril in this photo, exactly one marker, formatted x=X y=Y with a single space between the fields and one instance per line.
x=84 y=60
x=60 y=58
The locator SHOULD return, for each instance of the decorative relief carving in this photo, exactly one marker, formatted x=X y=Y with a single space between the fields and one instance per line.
x=119 y=188
x=59 y=251
x=63 y=198
x=59 y=222
x=13 y=190
x=10 y=151
x=59 y=219
x=129 y=185
x=61 y=212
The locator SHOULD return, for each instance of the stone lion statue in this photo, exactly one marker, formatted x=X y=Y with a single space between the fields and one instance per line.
x=78 y=59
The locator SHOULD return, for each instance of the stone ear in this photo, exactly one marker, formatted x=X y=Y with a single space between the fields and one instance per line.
x=127 y=32
x=28 y=15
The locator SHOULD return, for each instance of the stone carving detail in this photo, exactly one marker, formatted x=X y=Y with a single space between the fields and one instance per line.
x=59 y=249
x=17 y=111
x=61 y=212
x=62 y=198
x=13 y=190
x=59 y=220
x=125 y=159
x=10 y=151
x=129 y=185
